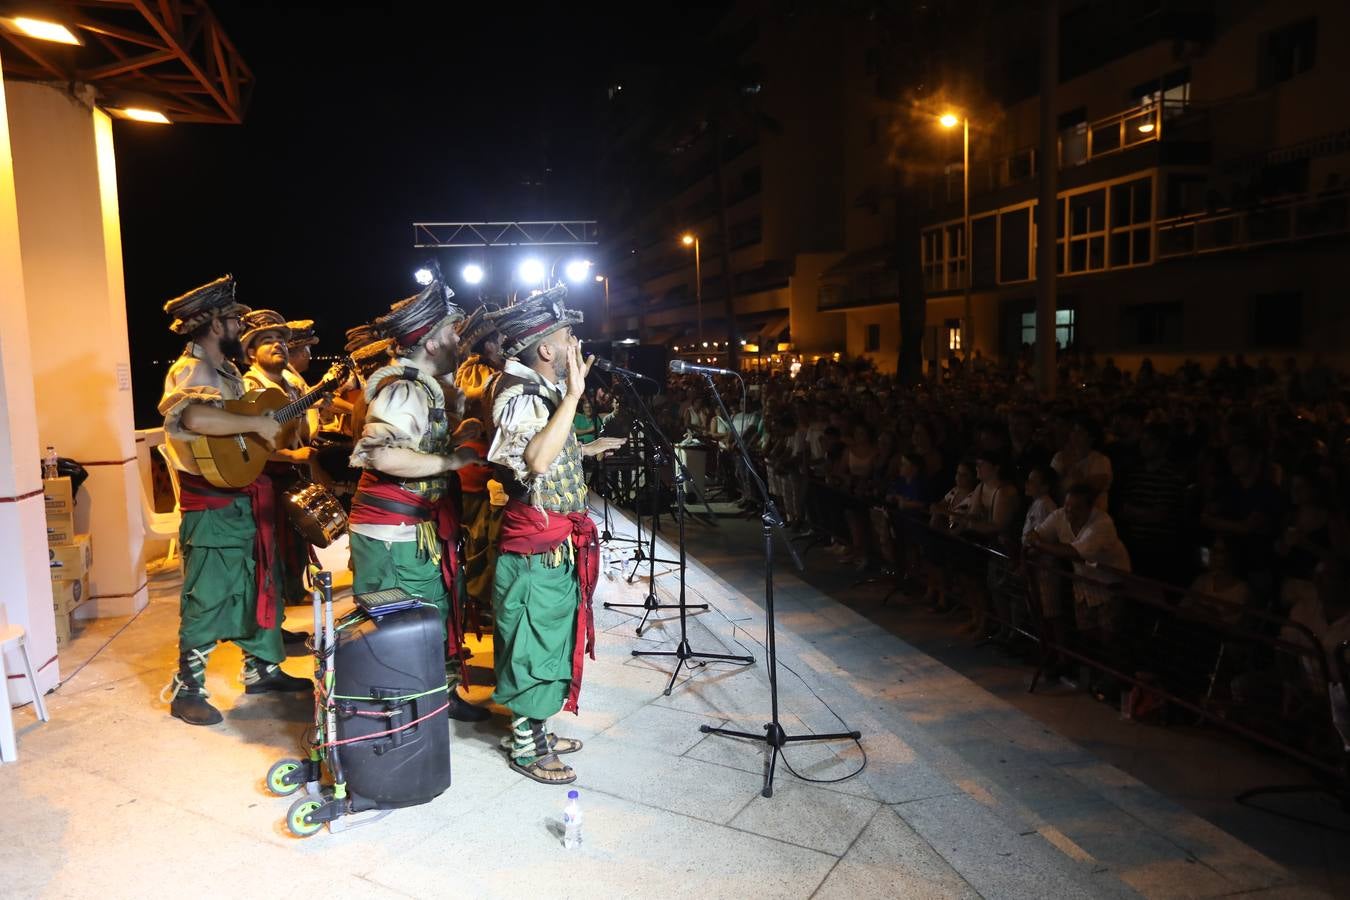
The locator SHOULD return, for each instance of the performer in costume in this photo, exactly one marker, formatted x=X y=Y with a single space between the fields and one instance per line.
x=265 y=343
x=404 y=524
x=482 y=496
x=548 y=557
x=230 y=583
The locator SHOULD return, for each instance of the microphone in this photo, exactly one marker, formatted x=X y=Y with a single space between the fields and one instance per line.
x=680 y=367
x=605 y=365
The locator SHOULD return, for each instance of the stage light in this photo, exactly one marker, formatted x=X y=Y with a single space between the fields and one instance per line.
x=473 y=273
x=531 y=271
x=45 y=31
x=949 y=120
x=578 y=270
x=423 y=276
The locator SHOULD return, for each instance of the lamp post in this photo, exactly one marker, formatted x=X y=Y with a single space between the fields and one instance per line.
x=950 y=120
x=691 y=240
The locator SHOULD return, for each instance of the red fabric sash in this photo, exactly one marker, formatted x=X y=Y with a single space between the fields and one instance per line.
x=525 y=530
x=197 y=494
x=447 y=530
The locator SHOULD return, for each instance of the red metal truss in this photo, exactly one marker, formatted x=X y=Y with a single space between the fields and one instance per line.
x=173 y=54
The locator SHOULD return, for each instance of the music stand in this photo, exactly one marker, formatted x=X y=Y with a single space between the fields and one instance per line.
x=774 y=735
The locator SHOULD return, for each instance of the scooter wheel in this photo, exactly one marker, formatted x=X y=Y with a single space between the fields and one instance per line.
x=297 y=821
x=279 y=777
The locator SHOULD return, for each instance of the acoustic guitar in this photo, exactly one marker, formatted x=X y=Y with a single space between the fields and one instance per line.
x=236 y=460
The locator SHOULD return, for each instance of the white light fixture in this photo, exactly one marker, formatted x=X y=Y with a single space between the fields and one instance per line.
x=599 y=278
x=705 y=345
x=423 y=276
x=531 y=271
x=578 y=270
x=140 y=114
x=629 y=341
x=44 y=30
x=1146 y=128
x=473 y=273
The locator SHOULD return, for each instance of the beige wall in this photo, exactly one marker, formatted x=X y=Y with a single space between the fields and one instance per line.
x=72 y=263
x=855 y=323
x=813 y=331
x=27 y=596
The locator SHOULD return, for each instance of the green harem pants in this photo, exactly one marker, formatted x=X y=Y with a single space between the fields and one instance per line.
x=219 y=598
x=380 y=565
x=535 y=603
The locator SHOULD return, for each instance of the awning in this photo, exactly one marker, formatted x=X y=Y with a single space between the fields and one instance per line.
x=875 y=258
x=772 y=332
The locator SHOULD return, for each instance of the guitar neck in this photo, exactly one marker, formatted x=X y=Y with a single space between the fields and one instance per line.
x=298 y=407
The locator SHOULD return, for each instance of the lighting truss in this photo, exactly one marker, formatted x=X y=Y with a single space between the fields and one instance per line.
x=428 y=235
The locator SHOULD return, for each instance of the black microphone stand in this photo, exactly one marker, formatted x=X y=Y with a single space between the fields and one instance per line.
x=774 y=735
x=606 y=535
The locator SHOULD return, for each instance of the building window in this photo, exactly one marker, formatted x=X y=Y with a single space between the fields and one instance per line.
x=1152 y=325
x=953 y=329
x=1015 y=245
x=983 y=244
x=1131 y=222
x=1173 y=91
x=872 y=343
x=1073 y=137
x=1087 y=231
x=1063 y=327
x=1288 y=51
x=931 y=259
x=1276 y=320
x=956 y=255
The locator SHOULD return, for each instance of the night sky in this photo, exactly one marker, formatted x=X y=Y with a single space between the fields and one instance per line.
x=365 y=118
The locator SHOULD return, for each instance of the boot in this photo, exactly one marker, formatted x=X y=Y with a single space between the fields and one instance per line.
x=275 y=680
x=194 y=710
x=462 y=710
x=188 y=698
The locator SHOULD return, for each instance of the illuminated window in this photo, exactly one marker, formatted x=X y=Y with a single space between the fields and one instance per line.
x=953 y=327
x=1064 y=321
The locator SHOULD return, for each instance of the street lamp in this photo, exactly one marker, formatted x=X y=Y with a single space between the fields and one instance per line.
x=950 y=120
x=690 y=239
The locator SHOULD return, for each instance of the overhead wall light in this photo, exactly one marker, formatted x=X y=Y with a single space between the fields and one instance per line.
x=140 y=114
x=42 y=29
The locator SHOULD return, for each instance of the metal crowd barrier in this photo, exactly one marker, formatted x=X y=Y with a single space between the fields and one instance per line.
x=1260 y=676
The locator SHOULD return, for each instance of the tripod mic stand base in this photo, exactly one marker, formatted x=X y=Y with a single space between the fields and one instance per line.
x=651 y=605
x=684 y=653
x=776 y=738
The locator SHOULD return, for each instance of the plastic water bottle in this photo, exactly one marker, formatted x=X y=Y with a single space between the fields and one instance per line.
x=572 y=822
x=49 y=469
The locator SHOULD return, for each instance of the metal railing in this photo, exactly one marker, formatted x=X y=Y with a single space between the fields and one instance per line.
x=1173 y=653
x=1292 y=219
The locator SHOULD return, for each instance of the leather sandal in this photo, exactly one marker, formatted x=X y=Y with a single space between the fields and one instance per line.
x=539 y=769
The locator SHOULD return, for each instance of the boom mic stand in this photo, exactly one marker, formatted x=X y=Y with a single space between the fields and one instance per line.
x=683 y=652
x=774 y=735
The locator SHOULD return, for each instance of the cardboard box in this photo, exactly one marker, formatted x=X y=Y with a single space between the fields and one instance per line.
x=59 y=496
x=60 y=528
x=62 y=629
x=71 y=561
x=68 y=594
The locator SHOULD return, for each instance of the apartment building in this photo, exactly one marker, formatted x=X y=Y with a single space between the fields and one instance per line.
x=1202 y=210
x=781 y=169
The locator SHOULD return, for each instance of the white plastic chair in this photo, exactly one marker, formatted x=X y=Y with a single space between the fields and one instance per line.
x=163 y=525
x=14 y=634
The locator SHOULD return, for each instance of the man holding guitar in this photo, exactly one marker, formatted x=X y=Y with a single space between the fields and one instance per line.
x=404 y=525
x=265 y=344
x=229 y=580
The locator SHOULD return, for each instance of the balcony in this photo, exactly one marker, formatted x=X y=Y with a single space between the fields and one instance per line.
x=1298 y=218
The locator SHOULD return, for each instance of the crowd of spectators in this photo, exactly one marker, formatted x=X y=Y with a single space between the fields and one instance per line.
x=1232 y=481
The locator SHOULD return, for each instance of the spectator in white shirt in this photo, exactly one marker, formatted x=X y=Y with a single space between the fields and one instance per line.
x=1084 y=534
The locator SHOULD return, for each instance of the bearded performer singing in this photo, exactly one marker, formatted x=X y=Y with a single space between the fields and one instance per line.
x=548 y=556
x=230 y=582
x=404 y=525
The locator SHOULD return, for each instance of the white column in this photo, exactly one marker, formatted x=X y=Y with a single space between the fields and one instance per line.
x=26 y=590
x=66 y=183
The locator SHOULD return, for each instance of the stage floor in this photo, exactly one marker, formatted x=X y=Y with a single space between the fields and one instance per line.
x=962 y=795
